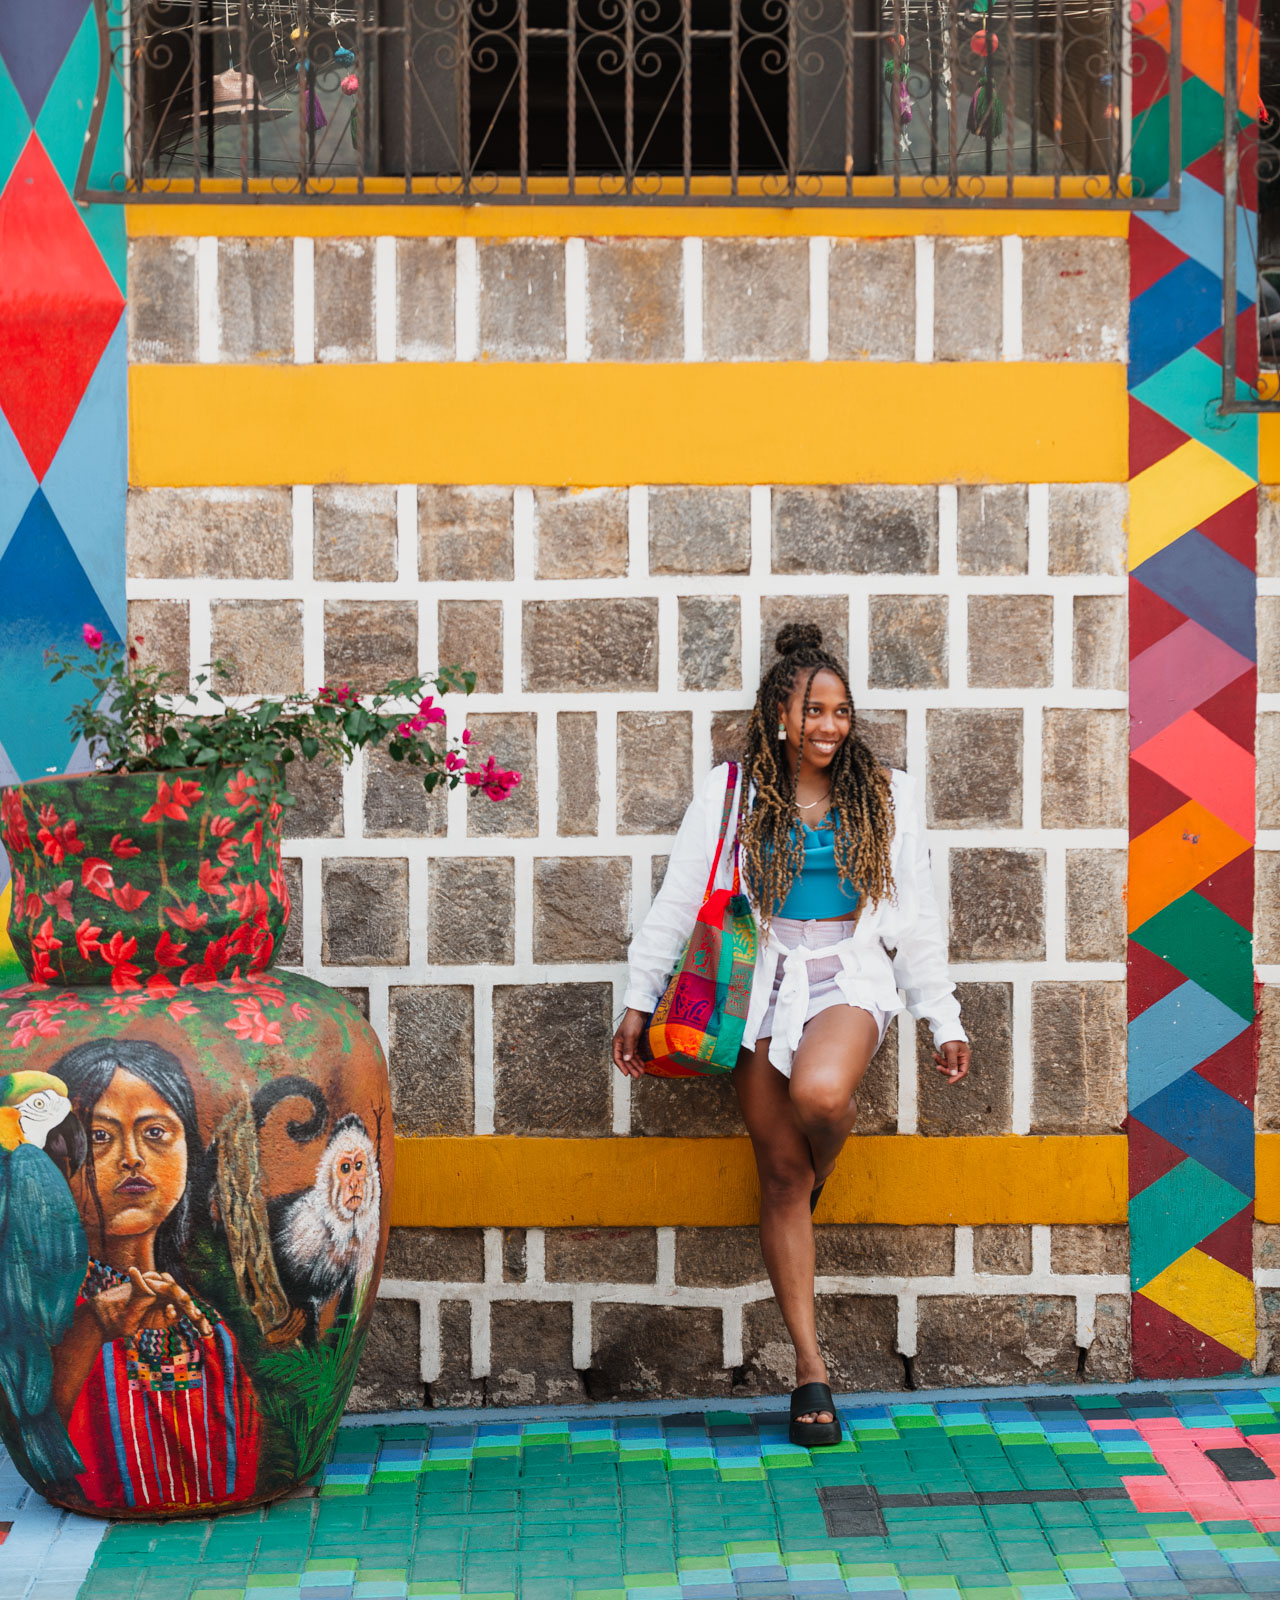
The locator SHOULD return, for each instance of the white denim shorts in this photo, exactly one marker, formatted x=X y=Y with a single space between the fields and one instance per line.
x=812 y=938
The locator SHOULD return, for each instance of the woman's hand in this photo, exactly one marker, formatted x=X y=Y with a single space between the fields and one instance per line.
x=953 y=1060
x=626 y=1041
x=148 y=1300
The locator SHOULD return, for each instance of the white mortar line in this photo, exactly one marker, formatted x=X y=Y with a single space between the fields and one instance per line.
x=668 y=645
x=547 y=755
x=924 y=298
x=535 y=1256
x=819 y=296
x=312 y=925
x=524 y=542
x=958 y=640
x=429 y=1338
x=481 y=1339
x=607 y=750
x=419 y=906
x=524 y=907
x=1011 y=320
x=908 y=1323
x=575 y=299
x=384 y=299
x=380 y=1005
x=353 y=800
x=1040 y=1248
x=304 y=300
x=483 y=1072
x=493 y=1255
x=619 y=1083
x=466 y=300
x=731 y=1335
x=691 y=291
x=512 y=666
x=581 y=1333
x=665 y=1277
x=948 y=529
x=761 y=555
x=201 y=626
x=908 y=1075
x=1021 y=1086
x=208 y=320
x=1086 y=1320
x=637 y=532
x=1038 y=531
x=1063 y=640
x=407 y=534
x=963 y=1263
x=1055 y=900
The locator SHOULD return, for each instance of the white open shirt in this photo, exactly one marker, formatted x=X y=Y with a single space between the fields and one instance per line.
x=898 y=945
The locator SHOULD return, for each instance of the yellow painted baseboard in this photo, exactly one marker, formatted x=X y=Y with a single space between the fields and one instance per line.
x=596 y=423
x=557 y=1183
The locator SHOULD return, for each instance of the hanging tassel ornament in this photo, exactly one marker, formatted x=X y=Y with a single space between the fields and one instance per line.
x=986 y=110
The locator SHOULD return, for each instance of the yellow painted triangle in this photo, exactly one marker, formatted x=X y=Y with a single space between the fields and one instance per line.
x=1177 y=494
x=1211 y=1297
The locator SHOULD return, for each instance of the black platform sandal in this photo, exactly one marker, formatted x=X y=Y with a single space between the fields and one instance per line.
x=811 y=1435
x=815 y=1196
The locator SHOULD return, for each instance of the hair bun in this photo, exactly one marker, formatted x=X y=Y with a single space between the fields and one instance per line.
x=793 y=636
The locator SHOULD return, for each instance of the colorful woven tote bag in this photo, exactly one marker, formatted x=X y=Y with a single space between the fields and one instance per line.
x=696 y=1030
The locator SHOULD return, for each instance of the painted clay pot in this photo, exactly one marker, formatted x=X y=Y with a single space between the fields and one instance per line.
x=195 y=1155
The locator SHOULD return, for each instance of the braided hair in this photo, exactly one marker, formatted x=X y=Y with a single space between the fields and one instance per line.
x=772 y=845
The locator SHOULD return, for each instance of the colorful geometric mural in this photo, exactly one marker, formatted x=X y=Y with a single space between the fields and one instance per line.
x=1192 y=522
x=62 y=384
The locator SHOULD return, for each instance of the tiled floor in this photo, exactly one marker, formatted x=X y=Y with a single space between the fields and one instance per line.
x=1048 y=1497
x=44 y=1554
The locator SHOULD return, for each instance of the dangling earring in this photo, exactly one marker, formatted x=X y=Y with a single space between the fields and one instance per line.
x=782 y=730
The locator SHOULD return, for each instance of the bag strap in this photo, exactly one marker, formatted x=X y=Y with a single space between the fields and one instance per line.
x=730 y=789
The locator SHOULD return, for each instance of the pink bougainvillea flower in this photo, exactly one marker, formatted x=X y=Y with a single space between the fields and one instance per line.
x=173 y=800
x=493 y=779
x=95 y=875
x=182 y=1008
x=124 y=848
x=15 y=834
x=455 y=761
x=467 y=736
x=59 y=900
x=87 y=938
x=238 y=795
x=210 y=878
x=169 y=951
x=160 y=987
x=92 y=637
x=129 y=898
x=60 y=842
x=187 y=917
x=429 y=711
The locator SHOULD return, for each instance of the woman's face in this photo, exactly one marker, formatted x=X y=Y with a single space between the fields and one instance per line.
x=826 y=716
x=139 y=1153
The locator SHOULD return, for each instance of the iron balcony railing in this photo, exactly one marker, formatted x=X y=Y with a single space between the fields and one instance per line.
x=795 y=102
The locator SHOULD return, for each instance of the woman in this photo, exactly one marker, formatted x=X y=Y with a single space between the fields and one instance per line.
x=148 y=1380
x=838 y=876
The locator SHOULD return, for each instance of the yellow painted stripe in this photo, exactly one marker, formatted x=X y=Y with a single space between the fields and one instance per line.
x=1176 y=494
x=1209 y=1296
x=604 y=423
x=1266 y=1204
x=555 y=1183
x=322 y=220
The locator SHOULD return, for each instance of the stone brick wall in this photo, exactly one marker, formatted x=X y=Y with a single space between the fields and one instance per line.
x=617 y=633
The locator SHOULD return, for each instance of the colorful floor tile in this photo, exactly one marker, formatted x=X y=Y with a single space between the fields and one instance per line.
x=1053 y=1496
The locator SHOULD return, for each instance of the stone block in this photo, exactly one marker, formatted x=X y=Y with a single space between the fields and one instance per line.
x=426 y=287
x=1003 y=1250
x=991 y=535
x=1075 y=299
x=455 y=1386
x=471 y=910
x=657 y=874
x=532 y=1355
x=289 y=951
x=877 y=1102
x=354 y=532
x=974 y=773
x=469 y=635
x=551 y=1062
x=1100 y=642
x=1268 y=531
x=997 y=905
x=209 y=533
x=255 y=300
x=465 y=535
x=160 y=631
x=855 y=528
x=1268 y=769
x=907 y=636
x=511 y=738
x=430 y=1056
x=1085 y=775
x=1088 y=1247
x=315 y=790
x=982 y=1103
x=601 y=1255
x=998 y=1338
x=635 y=308
x=354 y=996
x=436 y=1255
x=1267 y=1111
x=655 y=770
x=396 y=805
x=1268 y=614
x=1096 y=905
x=728 y=735
x=581 y=533
x=365 y=916
x=515 y=1255
x=710 y=642
x=1010 y=641
x=719 y=1258
x=370 y=643
x=521 y=295
x=755 y=299
x=578 y=796
x=344 y=299
x=881 y=1250
x=968 y=299
x=1109 y=1359
x=685 y=1108
x=872 y=300
x=1266 y=907
x=162 y=299
x=885 y=732
x=829 y=611
x=388 y=1378
x=581 y=908
x=1266 y=1246
x=656 y=1352
x=857 y=1333
x=695 y=530
x=260 y=641
x=1088 y=530
x=1078 y=1057
x=581 y=646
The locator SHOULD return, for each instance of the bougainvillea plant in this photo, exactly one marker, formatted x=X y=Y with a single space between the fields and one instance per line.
x=139 y=719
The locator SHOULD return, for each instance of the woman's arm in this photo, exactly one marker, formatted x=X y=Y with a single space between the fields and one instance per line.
x=920 y=962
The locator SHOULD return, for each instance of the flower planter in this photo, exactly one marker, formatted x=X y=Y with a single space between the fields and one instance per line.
x=195 y=1155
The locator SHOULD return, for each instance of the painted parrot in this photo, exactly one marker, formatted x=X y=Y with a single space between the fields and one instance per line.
x=43 y=1260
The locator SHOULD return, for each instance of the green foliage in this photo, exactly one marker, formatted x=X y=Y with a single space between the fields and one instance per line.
x=302 y=1390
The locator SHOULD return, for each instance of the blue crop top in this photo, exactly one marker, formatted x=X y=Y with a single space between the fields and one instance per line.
x=819 y=890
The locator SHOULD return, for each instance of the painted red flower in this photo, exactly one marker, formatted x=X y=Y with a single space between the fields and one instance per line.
x=186 y=917
x=280 y=888
x=166 y=805
x=128 y=898
x=87 y=938
x=238 y=796
x=222 y=826
x=182 y=1008
x=248 y=899
x=14 y=823
x=160 y=987
x=19 y=889
x=48 y=816
x=228 y=852
x=254 y=837
x=34 y=905
x=125 y=1005
x=117 y=951
x=252 y=1027
x=124 y=848
x=300 y=1011
x=211 y=878
x=95 y=874
x=43 y=944
x=169 y=951
x=59 y=900
x=216 y=956
x=60 y=842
